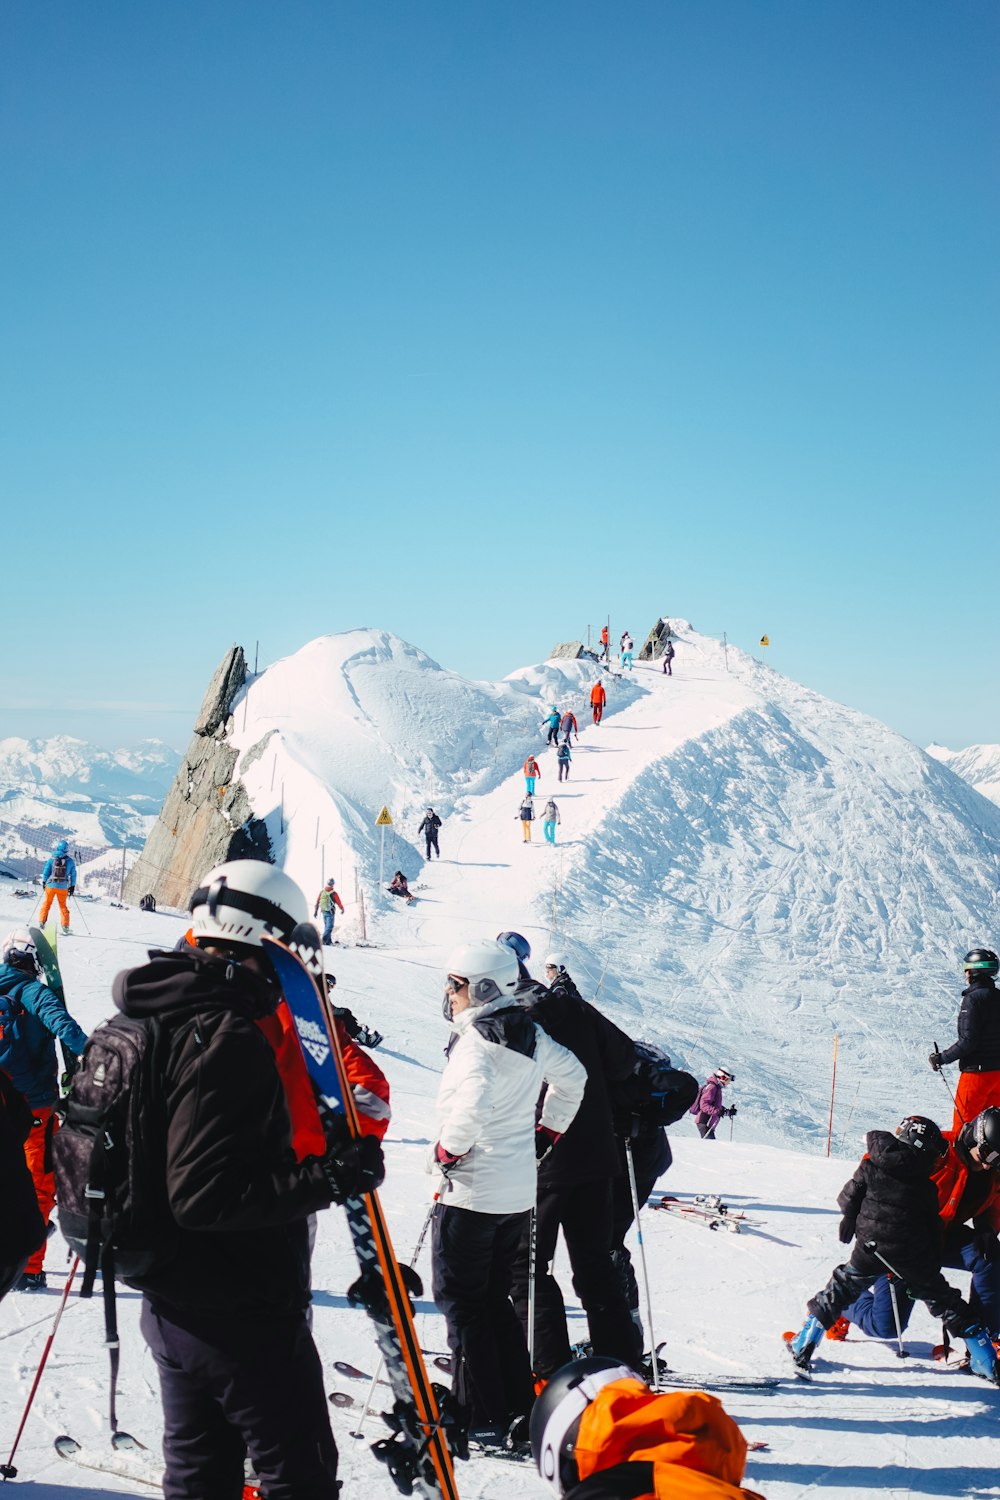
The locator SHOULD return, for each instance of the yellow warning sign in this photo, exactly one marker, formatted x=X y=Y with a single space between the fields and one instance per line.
x=384 y=819
x=764 y=640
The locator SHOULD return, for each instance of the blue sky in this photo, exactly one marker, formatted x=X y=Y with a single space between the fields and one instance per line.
x=481 y=322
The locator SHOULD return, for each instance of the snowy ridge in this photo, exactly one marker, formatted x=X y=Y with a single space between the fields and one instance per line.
x=979 y=765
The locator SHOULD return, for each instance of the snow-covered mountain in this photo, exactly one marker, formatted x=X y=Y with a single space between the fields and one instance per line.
x=979 y=765
x=101 y=800
x=745 y=868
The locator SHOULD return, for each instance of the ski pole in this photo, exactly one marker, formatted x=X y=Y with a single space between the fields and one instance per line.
x=7 y=1470
x=893 y=1278
x=413 y=1260
x=947 y=1085
x=83 y=919
x=642 y=1260
x=532 y=1269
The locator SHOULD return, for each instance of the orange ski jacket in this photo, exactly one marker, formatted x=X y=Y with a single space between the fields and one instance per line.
x=597 y=694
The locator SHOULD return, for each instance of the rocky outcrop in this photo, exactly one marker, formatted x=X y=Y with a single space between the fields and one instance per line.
x=656 y=640
x=207 y=817
x=571 y=651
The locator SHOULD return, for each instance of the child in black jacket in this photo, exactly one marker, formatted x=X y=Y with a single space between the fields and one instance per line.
x=890 y=1210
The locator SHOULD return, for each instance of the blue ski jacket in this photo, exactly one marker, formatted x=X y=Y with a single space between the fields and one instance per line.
x=69 y=878
x=31 y=1017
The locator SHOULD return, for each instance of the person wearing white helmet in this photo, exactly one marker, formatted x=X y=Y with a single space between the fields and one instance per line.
x=708 y=1109
x=32 y=1019
x=225 y=1314
x=488 y=1141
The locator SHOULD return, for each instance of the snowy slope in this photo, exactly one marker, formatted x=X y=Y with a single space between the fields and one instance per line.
x=979 y=765
x=868 y=1425
x=744 y=868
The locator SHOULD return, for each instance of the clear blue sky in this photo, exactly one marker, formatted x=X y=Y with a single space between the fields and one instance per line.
x=479 y=321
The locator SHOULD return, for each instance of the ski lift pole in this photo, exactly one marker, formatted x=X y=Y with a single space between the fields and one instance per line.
x=642 y=1261
x=7 y=1470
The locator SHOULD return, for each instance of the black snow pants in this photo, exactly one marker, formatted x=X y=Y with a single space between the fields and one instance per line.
x=235 y=1386
x=864 y=1269
x=473 y=1259
x=431 y=840
x=651 y=1157
x=583 y=1212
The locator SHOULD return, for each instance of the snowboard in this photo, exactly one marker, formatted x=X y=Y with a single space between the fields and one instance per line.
x=417 y=1455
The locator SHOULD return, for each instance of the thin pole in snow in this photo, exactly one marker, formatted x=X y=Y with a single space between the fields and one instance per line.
x=725 y=647
x=121 y=883
x=642 y=1260
x=281 y=826
x=833 y=1086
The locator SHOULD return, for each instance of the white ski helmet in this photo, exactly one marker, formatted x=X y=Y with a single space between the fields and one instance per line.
x=20 y=952
x=489 y=967
x=724 y=1075
x=555 y=961
x=240 y=901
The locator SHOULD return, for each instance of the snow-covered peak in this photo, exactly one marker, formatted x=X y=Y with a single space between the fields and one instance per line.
x=979 y=765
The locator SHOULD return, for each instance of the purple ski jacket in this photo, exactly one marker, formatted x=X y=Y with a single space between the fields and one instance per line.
x=709 y=1101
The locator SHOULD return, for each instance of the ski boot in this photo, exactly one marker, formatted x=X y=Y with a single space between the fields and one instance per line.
x=803 y=1345
x=839 y=1331
x=982 y=1353
x=31 y=1281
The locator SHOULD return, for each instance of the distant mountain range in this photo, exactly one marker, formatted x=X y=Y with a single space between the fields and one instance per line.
x=979 y=765
x=102 y=801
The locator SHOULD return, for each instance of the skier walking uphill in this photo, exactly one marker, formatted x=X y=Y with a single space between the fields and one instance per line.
x=22 y=1228
x=550 y=817
x=605 y=644
x=575 y=1185
x=31 y=1018
x=978 y=1047
x=599 y=1433
x=563 y=758
x=429 y=828
x=532 y=772
x=552 y=722
x=708 y=1109
x=59 y=881
x=967 y=1181
x=627 y=647
x=668 y=659
x=598 y=698
x=568 y=726
x=326 y=902
x=498 y=1061
x=890 y=1207
x=224 y=1312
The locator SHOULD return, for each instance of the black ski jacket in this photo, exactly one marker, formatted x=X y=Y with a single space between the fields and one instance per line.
x=430 y=826
x=238 y=1196
x=978 y=1047
x=892 y=1200
x=588 y=1151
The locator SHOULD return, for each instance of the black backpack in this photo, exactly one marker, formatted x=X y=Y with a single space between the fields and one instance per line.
x=109 y=1155
x=148 y=903
x=59 y=867
x=655 y=1092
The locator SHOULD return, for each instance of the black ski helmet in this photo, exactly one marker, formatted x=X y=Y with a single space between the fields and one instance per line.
x=984 y=1132
x=923 y=1135
x=983 y=960
x=555 y=1416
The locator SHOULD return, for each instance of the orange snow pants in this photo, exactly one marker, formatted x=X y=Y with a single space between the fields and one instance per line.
x=57 y=892
x=38 y=1155
x=974 y=1093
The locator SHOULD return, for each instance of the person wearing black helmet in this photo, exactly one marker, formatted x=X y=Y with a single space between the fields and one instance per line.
x=967 y=1181
x=977 y=1050
x=599 y=1433
x=890 y=1210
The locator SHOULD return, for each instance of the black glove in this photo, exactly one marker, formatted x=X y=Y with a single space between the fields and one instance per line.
x=846 y=1231
x=545 y=1139
x=731 y=1111
x=72 y=890
x=985 y=1242
x=353 y=1167
x=935 y=1061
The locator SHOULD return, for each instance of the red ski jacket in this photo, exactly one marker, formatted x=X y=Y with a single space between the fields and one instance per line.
x=952 y=1179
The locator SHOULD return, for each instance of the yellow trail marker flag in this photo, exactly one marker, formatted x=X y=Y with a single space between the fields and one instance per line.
x=384 y=820
x=764 y=641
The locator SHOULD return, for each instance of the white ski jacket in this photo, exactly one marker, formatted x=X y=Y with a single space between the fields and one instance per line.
x=489 y=1091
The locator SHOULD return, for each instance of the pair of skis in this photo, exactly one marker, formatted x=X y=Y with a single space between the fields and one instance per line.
x=708 y=1211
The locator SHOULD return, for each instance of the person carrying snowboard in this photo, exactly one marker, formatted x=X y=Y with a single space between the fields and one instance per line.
x=599 y=1433
x=429 y=828
x=32 y=1018
x=550 y=817
x=224 y=1311
x=977 y=1050
x=708 y=1109
x=532 y=772
x=563 y=758
x=890 y=1210
x=668 y=659
x=552 y=722
x=598 y=698
x=487 y=1141
x=568 y=726
x=326 y=903
x=59 y=882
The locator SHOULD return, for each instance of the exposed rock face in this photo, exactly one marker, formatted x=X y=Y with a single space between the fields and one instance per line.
x=656 y=640
x=206 y=817
x=572 y=651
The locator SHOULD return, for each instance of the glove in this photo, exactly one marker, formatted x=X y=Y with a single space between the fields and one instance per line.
x=446 y=1160
x=731 y=1111
x=545 y=1139
x=985 y=1243
x=935 y=1061
x=72 y=890
x=353 y=1167
x=846 y=1231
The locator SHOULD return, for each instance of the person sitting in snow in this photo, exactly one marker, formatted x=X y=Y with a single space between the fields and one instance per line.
x=890 y=1209
x=365 y=1036
x=400 y=886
